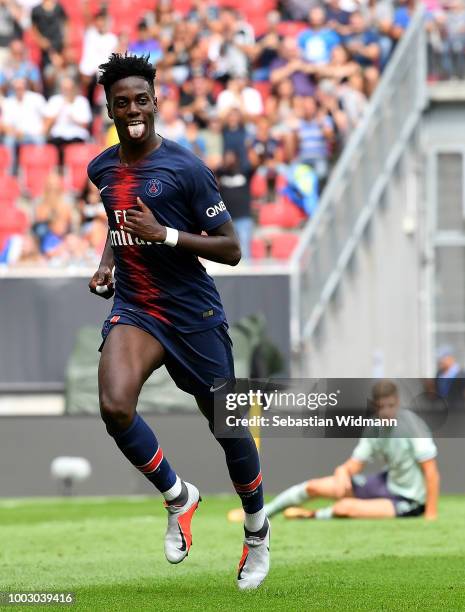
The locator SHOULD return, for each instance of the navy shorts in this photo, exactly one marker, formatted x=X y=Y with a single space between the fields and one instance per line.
x=375 y=486
x=195 y=361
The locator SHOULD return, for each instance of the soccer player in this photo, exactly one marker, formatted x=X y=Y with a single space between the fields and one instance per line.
x=408 y=485
x=159 y=198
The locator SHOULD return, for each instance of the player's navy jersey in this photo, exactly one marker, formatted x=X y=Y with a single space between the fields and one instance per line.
x=168 y=283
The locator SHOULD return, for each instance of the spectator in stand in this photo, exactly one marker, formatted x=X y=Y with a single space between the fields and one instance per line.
x=239 y=94
x=340 y=68
x=363 y=41
x=364 y=45
x=328 y=101
x=10 y=28
x=336 y=16
x=450 y=378
x=319 y=40
x=161 y=21
x=22 y=119
x=313 y=134
x=266 y=49
x=197 y=100
x=266 y=154
x=280 y=104
x=353 y=99
x=52 y=215
x=99 y=43
x=62 y=66
x=230 y=46
x=235 y=137
x=297 y=10
x=49 y=24
x=177 y=54
x=290 y=65
x=193 y=139
x=234 y=183
x=90 y=205
x=68 y=116
x=203 y=12
x=213 y=138
x=170 y=125
x=21 y=250
x=145 y=44
x=454 y=40
x=93 y=219
x=18 y=66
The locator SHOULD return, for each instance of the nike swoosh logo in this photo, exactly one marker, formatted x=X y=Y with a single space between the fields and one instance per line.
x=183 y=545
x=218 y=388
x=103 y=188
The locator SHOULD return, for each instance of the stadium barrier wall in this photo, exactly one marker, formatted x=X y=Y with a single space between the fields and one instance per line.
x=187 y=443
x=40 y=316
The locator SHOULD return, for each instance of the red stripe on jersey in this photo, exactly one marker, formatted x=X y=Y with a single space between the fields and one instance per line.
x=246 y=488
x=153 y=464
x=142 y=285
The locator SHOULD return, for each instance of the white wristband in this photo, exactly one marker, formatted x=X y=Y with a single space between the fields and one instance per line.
x=172 y=236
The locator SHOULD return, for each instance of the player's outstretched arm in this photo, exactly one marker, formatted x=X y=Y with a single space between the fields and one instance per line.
x=104 y=275
x=431 y=475
x=221 y=244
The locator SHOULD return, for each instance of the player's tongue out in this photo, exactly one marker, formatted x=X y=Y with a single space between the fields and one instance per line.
x=136 y=129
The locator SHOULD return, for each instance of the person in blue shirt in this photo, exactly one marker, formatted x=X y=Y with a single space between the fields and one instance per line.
x=318 y=41
x=18 y=66
x=144 y=44
x=450 y=378
x=363 y=41
x=164 y=212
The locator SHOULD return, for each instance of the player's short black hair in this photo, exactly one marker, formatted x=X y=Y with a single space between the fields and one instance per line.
x=120 y=66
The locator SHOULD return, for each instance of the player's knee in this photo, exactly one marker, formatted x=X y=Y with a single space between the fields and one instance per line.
x=311 y=488
x=117 y=409
x=343 y=508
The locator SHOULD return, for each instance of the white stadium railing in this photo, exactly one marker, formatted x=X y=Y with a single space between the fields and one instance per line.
x=356 y=185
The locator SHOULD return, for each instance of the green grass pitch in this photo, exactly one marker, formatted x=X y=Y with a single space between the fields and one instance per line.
x=110 y=553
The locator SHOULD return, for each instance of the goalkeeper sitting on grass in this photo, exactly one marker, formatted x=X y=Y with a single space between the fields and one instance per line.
x=407 y=486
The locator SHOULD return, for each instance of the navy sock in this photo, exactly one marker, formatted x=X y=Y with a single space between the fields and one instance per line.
x=244 y=469
x=139 y=444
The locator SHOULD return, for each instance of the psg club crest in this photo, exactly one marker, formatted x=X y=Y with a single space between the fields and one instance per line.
x=153 y=188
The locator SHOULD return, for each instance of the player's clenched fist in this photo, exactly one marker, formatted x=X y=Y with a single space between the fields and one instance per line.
x=141 y=222
x=102 y=282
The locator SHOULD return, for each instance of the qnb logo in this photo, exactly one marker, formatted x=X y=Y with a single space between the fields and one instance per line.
x=212 y=211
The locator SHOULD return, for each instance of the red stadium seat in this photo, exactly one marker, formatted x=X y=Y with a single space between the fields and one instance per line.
x=36 y=162
x=13 y=221
x=264 y=87
x=9 y=190
x=5 y=160
x=283 y=214
x=182 y=6
x=292 y=28
x=75 y=37
x=259 y=22
x=282 y=245
x=77 y=157
x=258 y=187
x=34 y=54
x=258 y=248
